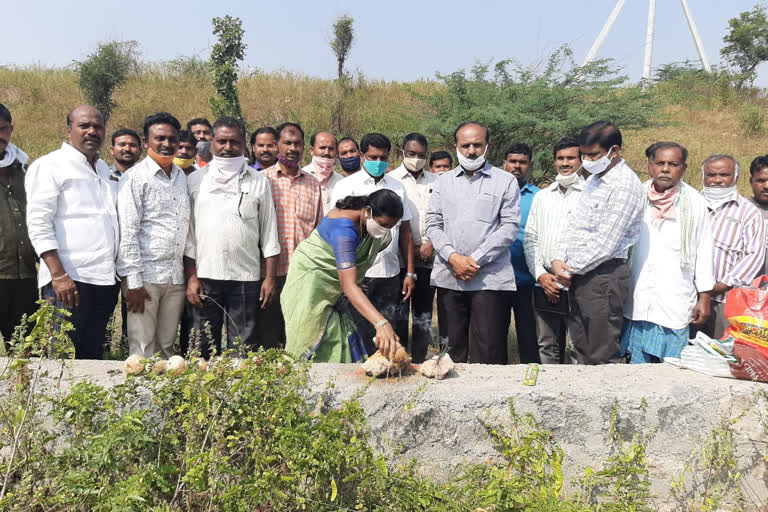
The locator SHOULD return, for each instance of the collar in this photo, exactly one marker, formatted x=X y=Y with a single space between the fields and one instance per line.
x=155 y=168
x=528 y=188
x=75 y=153
x=611 y=176
x=579 y=185
x=300 y=173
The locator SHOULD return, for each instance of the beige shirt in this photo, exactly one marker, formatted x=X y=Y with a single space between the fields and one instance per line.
x=327 y=189
x=418 y=191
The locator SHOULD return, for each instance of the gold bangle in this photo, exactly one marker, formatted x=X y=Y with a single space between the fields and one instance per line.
x=59 y=278
x=381 y=323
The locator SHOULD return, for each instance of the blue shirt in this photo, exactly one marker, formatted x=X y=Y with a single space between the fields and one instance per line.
x=477 y=217
x=523 y=276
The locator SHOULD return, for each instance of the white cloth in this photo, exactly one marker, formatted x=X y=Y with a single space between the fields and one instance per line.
x=13 y=153
x=72 y=209
x=154 y=218
x=547 y=220
x=229 y=232
x=418 y=191
x=662 y=292
x=361 y=183
x=326 y=190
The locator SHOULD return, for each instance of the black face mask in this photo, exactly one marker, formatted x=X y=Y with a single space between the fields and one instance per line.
x=350 y=164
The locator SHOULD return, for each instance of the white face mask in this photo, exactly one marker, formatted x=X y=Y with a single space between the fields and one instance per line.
x=566 y=180
x=599 y=165
x=472 y=165
x=374 y=229
x=413 y=164
x=229 y=165
x=717 y=196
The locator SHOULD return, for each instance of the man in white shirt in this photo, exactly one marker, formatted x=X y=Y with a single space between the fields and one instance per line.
x=72 y=223
x=592 y=256
x=672 y=262
x=547 y=221
x=153 y=205
x=323 y=166
x=382 y=282
x=232 y=225
x=418 y=183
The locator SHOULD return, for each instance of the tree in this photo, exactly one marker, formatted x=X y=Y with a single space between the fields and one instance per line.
x=746 y=43
x=343 y=35
x=537 y=105
x=225 y=55
x=106 y=70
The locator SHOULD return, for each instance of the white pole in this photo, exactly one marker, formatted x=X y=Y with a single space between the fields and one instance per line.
x=649 y=42
x=604 y=32
x=696 y=38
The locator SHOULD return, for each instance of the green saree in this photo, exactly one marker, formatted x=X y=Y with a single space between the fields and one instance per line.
x=316 y=326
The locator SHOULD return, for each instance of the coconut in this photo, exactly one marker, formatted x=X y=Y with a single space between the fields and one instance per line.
x=160 y=366
x=134 y=365
x=437 y=367
x=378 y=364
x=176 y=365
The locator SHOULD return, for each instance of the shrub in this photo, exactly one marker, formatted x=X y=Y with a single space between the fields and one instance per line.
x=105 y=70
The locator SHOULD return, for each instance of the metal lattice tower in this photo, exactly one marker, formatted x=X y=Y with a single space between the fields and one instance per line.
x=648 y=36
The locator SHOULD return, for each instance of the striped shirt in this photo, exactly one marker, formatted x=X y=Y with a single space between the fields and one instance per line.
x=739 y=238
x=299 y=208
x=547 y=221
x=606 y=221
x=230 y=232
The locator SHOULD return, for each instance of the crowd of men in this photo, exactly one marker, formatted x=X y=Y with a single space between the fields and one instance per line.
x=596 y=267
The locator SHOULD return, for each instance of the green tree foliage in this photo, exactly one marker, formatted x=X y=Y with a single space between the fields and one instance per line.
x=537 y=105
x=343 y=36
x=225 y=55
x=746 y=43
x=105 y=70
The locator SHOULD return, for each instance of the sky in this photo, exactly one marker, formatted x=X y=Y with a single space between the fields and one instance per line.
x=394 y=40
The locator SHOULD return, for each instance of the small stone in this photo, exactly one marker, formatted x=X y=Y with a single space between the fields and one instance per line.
x=437 y=367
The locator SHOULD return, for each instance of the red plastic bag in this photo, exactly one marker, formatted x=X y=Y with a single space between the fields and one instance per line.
x=746 y=309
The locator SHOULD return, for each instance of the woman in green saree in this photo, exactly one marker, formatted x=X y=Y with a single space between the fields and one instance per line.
x=330 y=264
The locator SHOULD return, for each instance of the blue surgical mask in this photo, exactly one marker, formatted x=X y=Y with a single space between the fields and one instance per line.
x=351 y=164
x=376 y=168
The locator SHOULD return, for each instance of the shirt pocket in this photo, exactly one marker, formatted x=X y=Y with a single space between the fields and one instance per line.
x=485 y=208
x=249 y=207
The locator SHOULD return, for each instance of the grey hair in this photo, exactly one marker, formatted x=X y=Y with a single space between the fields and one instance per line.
x=715 y=158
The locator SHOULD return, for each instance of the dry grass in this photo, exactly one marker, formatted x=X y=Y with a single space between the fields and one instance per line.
x=706 y=121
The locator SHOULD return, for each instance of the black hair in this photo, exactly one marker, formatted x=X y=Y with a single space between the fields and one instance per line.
x=348 y=138
x=377 y=140
x=126 y=131
x=604 y=133
x=5 y=114
x=650 y=151
x=467 y=123
x=758 y=164
x=565 y=143
x=229 y=122
x=417 y=137
x=160 y=118
x=188 y=136
x=440 y=155
x=314 y=136
x=519 y=148
x=198 y=120
x=383 y=202
x=283 y=126
x=264 y=129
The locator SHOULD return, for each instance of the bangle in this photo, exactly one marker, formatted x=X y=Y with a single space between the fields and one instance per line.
x=59 y=278
x=381 y=323
x=413 y=276
x=189 y=273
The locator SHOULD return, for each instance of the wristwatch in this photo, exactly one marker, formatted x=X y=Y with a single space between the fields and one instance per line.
x=414 y=276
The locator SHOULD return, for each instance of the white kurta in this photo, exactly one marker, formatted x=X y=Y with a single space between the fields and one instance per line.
x=662 y=292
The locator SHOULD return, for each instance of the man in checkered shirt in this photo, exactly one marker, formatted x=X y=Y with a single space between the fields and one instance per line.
x=592 y=257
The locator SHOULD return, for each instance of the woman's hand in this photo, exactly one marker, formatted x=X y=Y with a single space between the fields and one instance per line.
x=387 y=341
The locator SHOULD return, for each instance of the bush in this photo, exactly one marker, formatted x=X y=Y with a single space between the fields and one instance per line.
x=105 y=70
x=537 y=105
